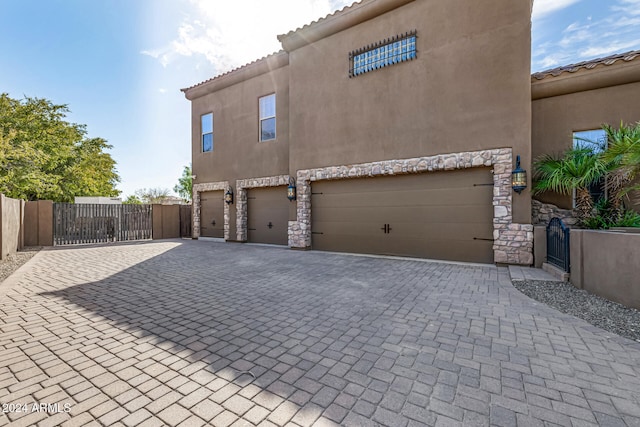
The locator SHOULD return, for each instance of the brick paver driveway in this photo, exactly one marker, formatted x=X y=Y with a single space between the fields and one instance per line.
x=163 y=333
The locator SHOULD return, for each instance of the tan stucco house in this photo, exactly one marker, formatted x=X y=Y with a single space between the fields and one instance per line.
x=574 y=101
x=398 y=126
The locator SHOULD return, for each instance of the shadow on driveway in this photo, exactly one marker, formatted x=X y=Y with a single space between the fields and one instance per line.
x=329 y=338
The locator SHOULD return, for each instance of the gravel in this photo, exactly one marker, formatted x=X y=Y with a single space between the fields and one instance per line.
x=15 y=261
x=598 y=311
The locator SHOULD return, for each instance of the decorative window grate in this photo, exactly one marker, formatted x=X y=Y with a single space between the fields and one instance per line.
x=387 y=52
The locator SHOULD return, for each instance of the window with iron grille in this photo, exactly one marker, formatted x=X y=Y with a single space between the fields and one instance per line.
x=387 y=52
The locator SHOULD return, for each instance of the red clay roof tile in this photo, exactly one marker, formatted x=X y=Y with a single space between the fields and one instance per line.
x=317 y=21
x=591 y=64
x=242 y=67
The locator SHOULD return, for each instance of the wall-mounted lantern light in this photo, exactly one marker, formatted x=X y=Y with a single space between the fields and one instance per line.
x=518 y=177
x=291 y=190
x=228 y=196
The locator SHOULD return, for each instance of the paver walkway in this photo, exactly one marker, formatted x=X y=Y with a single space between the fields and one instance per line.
x=165 y=333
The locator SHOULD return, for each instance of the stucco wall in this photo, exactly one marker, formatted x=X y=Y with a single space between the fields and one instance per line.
x=38 y=223
x=165 y=221
x=606 y=263
x=237 y=152
x=539 y=245
x=555 y=118
x=468 y=89
x=12 y=221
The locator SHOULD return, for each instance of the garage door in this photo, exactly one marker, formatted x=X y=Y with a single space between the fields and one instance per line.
x=439 y=215
x=267 y=215
x=211 y=214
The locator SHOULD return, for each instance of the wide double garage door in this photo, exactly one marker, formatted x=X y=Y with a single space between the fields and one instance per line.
x=439 y=215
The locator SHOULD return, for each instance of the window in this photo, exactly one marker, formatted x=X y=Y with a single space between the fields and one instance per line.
x=268 y=117
x=596 y=139
x=206 y=128
x=391 y=51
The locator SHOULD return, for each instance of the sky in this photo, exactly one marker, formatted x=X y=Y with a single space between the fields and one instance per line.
x=119 y=65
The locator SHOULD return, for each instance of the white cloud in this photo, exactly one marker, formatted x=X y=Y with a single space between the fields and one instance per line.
x=230 y=34
x=542 y=8
x=553 y=60
x=159 y=54
x=574 y=38
x=613 y=29
x=609 y=49
x=627 y=22
x=573 y=27
x=629 y=7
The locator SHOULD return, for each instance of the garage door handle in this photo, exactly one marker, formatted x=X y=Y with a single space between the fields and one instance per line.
x=386 y=228
x=213 y=222
x=270 y=225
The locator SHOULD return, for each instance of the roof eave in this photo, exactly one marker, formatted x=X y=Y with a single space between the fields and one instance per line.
x=339 y=21
x=597 y=77
x=246 y=72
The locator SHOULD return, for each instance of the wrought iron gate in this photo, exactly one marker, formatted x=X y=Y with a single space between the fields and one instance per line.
x=558 y=244
x=93 y=223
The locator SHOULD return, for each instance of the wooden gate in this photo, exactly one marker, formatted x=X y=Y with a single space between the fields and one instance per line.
x=558 y=244
x=185 y=221
x=93 y=223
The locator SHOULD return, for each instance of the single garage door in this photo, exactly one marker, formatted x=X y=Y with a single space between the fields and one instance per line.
x=212 y=214
x=267 y=215
x=440 y=215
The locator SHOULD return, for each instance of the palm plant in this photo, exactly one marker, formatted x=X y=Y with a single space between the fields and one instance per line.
x=622 y=157
x=576 y=170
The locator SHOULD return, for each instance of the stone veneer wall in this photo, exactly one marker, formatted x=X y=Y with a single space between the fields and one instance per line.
x=541 y=214
x=242 y=185
x=208 y=186
x=513 y=243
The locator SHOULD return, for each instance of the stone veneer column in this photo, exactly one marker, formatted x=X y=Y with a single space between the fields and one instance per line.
x=242 y=185
x=513 y=243
x=208 y=186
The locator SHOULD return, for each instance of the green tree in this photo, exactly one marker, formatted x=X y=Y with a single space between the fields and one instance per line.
x=42 y=156
x=185 y=184
x=152 y=195
x=132 y=200
x=576 y=170
x=622 y=156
